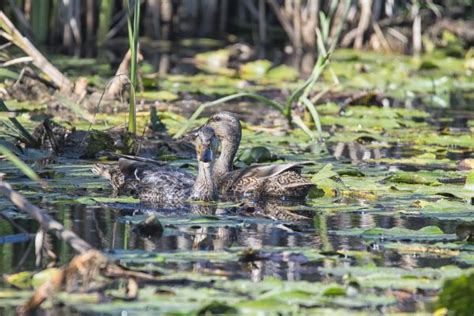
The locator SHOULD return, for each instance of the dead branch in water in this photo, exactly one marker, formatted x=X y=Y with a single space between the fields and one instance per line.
x=47 y=222
x=83 y=270
x=11 y=33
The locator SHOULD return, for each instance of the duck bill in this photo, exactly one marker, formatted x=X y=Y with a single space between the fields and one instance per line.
x=191 y=135
x=205 y=154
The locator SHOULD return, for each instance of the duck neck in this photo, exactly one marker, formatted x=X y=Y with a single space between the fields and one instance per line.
x=224 y=164
x=204 y=188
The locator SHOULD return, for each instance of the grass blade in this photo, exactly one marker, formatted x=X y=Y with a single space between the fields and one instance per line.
x=133 y=34
x=24 y=168
x=203 y=106
x=314 y=114
x=299 y=122
x=20 y=129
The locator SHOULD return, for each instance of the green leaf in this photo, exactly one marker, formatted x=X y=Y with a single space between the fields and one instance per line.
x=44 y=276
x=410 y=178
x=335 y=291
x=21 y=280
x=24 y=168
x=255 y=155
x=162 y=95
x=428 y=233
x=255 y=70
x=469 y=185
x=457 y=295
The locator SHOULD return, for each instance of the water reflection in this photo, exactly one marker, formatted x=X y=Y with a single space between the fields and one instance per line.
x=360 y=151
x=107 y=228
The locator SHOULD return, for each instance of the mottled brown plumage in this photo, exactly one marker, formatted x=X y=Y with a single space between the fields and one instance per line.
x=163 y=184
x=270 y=180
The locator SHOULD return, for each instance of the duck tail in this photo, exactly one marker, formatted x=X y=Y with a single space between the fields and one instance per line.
x=109 y=172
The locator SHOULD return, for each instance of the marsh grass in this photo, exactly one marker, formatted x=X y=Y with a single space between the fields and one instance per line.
x=133 y=23
x=325 y=46
x=14 y=125
x=23 y=167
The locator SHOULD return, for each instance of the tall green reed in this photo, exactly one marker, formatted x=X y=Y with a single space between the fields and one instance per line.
x=40 y=11
x=105 y=16
x=133 y=34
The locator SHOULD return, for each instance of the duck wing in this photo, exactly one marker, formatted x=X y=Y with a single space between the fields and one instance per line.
x=156 y=183
x=266 y=171
x=283 y=180
x=151 y=181
x=145 y=170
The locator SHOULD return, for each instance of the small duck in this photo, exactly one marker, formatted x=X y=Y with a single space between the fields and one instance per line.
x=282 y=180
x=163 y=184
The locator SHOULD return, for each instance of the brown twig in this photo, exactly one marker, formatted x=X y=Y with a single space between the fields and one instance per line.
x=83 y=269
x=46 y=221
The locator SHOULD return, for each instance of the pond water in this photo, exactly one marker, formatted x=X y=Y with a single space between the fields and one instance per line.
x=389 y=222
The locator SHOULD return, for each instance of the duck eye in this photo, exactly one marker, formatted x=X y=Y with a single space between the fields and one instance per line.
x=216 y=118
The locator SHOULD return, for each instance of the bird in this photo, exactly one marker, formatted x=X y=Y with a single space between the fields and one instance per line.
x=274 y=180
x=159 y=183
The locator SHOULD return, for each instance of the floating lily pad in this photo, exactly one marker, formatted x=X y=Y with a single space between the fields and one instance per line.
x=162 y=95
x=255 y=69
x=428 y=233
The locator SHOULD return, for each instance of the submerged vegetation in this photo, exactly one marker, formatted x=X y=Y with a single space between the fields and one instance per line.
x=386 y=139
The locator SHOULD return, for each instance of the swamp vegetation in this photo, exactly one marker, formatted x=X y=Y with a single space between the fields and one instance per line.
x=379 y=98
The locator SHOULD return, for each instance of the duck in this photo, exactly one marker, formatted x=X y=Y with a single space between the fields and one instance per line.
x=274 y=180
x=162 y=184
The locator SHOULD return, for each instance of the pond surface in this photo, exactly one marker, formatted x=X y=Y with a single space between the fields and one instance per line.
x=390 y=220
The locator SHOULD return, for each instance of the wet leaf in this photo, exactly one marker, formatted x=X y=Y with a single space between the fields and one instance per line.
x=44 y=276
x=255 y=70
x=430 y=233
x=20 y=280
x=265 y=305
x=216 y=308
x=457 y=294
x=162 y=95
x=282 y=73
x=469 y=182
x=410 y=178
x=335 y=291
x=255 y=155
x=327 y=180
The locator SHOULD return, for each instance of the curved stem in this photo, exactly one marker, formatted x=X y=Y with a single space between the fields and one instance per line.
x=203 y=106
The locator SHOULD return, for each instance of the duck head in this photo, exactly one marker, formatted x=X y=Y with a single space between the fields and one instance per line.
x=206 y=144
x=229 y=131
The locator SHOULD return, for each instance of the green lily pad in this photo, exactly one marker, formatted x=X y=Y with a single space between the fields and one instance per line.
x=162 y=95
x=255 y=155
x=255 y=70
x=428 y=233
x=410 y=178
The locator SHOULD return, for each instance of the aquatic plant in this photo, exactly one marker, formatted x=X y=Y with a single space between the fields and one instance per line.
x=98 y=21
x=13 y=124
x=133 y=30
x=18 y=163
x=325 y=46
